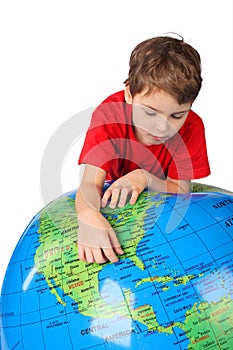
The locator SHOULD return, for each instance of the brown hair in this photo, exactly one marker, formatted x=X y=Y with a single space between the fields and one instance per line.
x=167 y=63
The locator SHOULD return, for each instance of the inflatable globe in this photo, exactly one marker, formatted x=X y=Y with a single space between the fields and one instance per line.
x=172 y=288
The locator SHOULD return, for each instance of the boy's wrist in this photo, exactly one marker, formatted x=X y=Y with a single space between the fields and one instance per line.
x=144 y=177
x=87 y=213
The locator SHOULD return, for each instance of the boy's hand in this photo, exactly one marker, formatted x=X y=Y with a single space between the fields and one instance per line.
x=128 y=186
x=97 y=241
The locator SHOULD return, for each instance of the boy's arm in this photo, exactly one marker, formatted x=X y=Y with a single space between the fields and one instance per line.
x=168 y=185
x=96 y=240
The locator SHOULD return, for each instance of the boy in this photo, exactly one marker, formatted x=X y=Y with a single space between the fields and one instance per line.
x=146 y=136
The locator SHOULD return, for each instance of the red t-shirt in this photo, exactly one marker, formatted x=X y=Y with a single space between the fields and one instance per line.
x=111 y=144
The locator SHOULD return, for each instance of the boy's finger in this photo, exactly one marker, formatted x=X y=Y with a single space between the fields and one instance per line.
x=89 y=255
x=81 y=252
x=110 y=255
x=113 y=240
x=114 y=199
x=134 y=197
x=99 y=256
x=119 y=250
x=123 y=197
x=85 y=254
x=106 y=197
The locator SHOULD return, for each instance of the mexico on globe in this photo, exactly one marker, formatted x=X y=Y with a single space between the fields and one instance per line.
x=172 y=288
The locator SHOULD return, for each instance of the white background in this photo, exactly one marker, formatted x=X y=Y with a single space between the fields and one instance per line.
x=60 y=57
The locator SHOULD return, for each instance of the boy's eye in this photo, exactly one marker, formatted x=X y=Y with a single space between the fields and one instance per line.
x=150 y=112
x=177 y=116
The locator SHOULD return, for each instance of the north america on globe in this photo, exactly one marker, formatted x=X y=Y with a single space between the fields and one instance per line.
x=172 y=288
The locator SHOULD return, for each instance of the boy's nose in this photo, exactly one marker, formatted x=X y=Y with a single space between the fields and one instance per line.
x=161 y=126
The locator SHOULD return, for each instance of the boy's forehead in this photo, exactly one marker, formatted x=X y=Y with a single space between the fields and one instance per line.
x=158 y=97
x=155 y=94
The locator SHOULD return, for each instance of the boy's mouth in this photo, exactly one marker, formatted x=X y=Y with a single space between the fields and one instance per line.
x=159 y=138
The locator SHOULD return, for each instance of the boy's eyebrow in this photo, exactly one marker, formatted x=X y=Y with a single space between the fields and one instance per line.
x=156 y=110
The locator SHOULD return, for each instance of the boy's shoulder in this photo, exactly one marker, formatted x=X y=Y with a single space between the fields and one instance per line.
x=116 y=97
x=112 y=110
x=193 y=123
x=193 y=118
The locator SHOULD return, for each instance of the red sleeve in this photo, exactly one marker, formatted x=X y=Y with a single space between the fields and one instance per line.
x=98 y=149
x=101 y=143
x=190 y=160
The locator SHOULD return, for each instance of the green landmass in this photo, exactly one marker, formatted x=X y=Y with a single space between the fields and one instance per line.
x=57 y=255
x=210 y=325
x=206 y=324
x=183 y=280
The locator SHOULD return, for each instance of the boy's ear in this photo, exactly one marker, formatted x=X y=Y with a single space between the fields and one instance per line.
x=128 y=96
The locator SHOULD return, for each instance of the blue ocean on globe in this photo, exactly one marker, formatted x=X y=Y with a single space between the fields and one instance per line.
x=172 y=288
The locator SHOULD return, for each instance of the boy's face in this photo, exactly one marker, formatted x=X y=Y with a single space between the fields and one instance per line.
x=157 y=117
